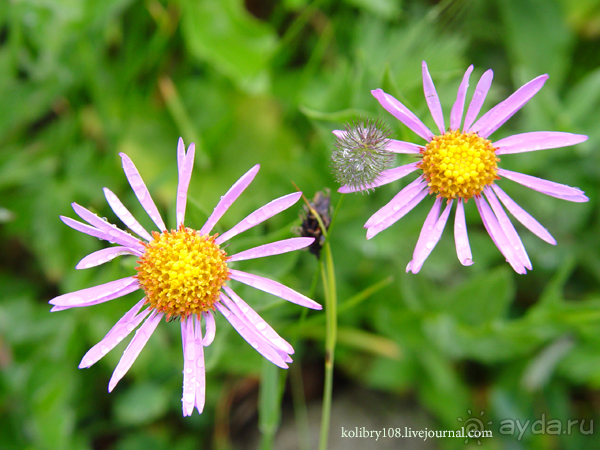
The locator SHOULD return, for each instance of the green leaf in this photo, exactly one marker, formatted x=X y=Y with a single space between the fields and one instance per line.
x=269 y=402
x=537 y=37
x=584 y=97
x=386 y=9
x=142 y=403
x=483 y=297
x=226 y=36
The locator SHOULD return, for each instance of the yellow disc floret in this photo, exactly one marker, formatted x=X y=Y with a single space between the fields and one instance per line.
x=459 y=164
x=182 y=272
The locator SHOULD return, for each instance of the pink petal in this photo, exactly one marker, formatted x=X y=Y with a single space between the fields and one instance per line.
x=105 y=255
x=97 y=294
x=273 y=287
x=188 y=399
x=430 y=235
x=185 y=174
x=537 y=140
x=495 y=117
x=459 y=104
x=134 y=348
x=253 y=338
x=263 y=342
x=385 y=177
x=200 y=368
x=399 y=201
x=193 y=366
x=126 y=217
x=481 y=91
x=211 y=328
x=260 y=215
x=545 y=187
x=461 y=238
x=395 y=146
x=495 y=231
x=433 y=101
x=89 y=230
x=274 y=248
x=227 y=200
x=141 y=191
x=180 y=152
x=389 y=221
x=259 y=324
x=402 y=113
x=102 y=225
x=120 y=331
x=508 y=228
x=339 y=133
x=523 y=216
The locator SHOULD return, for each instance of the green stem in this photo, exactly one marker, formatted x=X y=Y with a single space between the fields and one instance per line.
x=328 y=275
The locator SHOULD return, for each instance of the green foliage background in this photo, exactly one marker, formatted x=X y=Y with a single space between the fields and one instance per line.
x=266 y=82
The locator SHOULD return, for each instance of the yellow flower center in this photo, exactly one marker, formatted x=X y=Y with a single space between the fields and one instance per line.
x=459 y=164
x=182 y=273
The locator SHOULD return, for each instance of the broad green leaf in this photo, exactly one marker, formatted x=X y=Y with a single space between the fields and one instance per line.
x=141 y=403
x=482 y=298
x=537 y=38
x=226 y=36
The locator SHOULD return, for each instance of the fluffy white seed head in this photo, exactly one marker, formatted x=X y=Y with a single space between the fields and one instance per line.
x=360 y=154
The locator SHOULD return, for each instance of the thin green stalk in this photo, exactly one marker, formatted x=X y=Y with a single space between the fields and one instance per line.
x=329 y=286
x=328 y=275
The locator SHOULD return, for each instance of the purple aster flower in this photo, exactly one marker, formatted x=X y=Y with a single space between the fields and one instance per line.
x=184 y=274
x=462 y=163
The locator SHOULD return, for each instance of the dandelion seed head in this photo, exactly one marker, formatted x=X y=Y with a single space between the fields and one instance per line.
x=360 y=153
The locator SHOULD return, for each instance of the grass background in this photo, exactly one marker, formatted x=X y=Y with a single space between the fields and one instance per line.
x=266 y=82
